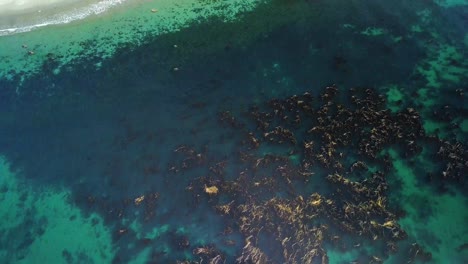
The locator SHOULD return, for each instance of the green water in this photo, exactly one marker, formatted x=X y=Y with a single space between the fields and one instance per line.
x=138 y=55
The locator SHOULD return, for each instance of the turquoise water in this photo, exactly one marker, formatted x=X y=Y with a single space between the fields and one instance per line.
x=204 y=132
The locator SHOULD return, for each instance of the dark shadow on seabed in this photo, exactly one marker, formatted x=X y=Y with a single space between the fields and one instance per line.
x=109 y=135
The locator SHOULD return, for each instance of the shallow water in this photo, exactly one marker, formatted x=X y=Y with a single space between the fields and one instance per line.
x=24 y=16
x=92 y=111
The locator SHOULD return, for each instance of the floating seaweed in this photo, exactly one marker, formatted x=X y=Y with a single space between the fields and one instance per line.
x=267 y=199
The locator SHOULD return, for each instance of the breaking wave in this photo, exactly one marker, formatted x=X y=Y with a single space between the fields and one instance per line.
x=63 y=17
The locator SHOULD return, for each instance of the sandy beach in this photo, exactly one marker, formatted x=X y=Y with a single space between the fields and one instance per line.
x=9 y=7
x=24 y=15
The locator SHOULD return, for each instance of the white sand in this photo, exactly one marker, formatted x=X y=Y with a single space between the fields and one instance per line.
x=108 y=23
x=9 y=7
x=24 y=15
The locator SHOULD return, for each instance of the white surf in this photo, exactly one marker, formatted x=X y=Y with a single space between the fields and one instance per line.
x=18 y=16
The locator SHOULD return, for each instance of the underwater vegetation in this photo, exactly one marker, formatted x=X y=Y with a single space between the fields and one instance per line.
x=212 y=132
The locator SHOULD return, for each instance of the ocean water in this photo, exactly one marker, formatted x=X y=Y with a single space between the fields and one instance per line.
x=153 y=132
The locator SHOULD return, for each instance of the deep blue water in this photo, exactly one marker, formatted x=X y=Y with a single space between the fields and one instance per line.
x=109 y=135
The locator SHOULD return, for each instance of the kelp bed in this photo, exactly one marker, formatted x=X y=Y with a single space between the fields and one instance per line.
x=314 y=173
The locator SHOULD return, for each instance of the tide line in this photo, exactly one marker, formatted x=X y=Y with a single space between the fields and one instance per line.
x=64 y=18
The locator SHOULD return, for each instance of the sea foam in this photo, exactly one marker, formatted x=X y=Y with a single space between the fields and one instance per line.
x=64 y=16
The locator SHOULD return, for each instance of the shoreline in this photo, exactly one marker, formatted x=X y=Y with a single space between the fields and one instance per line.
x=56 y=12
x=126 y=21
x=13 y=8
